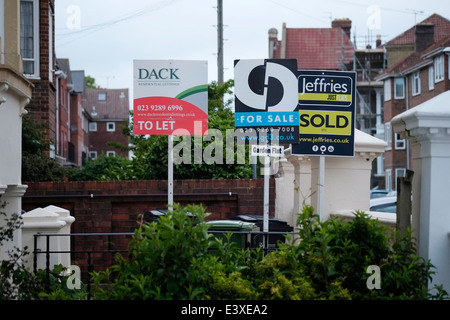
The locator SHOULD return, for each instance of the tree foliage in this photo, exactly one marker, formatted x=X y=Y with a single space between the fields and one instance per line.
x=36 y=163
x=150 y=153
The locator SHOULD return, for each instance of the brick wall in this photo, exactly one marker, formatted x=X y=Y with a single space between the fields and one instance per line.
x=118 y=206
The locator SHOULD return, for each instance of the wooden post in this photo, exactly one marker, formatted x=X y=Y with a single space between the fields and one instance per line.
x=404 y=191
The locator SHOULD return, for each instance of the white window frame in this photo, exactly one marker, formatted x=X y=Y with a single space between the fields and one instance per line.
x=399 y=172
x=35 y=58
x=416 y=83
x=113 y=126
x=431 y=78
x=400 y=144
x=387 y=89
x=102 y=95
x=92 y=126
x=92 y=155
x=50 y=41
x=388 y=135
x=110 y=153
x=439 y=68
x=388 y=179
x=401 y=94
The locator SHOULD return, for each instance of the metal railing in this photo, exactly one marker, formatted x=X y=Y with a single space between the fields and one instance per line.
x=266 y=241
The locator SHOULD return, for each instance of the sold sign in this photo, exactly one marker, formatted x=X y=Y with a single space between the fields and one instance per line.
x=326 y=102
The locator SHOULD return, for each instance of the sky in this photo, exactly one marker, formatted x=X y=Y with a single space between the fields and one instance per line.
x=103 y=37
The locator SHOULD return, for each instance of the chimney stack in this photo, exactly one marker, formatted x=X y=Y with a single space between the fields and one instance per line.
x=378 y=42
x=423 y=36
x=345 y=24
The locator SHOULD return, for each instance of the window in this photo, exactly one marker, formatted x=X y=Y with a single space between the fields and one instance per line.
x=92 y=155
x=400 y=144
x=399 y=173
x=387 y=89
x=439 y=68
x=29 y=37
x=430 y=77
x=50 y=37
x=388 y=179
x=110 y=153
x=102 y=96
x=93 y=126
x=399 y=88
x=388 y=135
x=416 y=83
x=110 y=126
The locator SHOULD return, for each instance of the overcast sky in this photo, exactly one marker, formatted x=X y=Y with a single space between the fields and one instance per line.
x=102 y=37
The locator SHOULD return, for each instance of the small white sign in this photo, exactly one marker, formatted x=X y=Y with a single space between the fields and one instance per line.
x=263 y=150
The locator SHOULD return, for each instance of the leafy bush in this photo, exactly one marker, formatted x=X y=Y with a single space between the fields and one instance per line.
x=176 y=258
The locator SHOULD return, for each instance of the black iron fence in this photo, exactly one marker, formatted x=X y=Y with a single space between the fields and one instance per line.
x=100 y=248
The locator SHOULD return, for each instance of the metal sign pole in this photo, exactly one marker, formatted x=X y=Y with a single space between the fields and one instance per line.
x=266 y=193
x=321 y=188
x=170 y=174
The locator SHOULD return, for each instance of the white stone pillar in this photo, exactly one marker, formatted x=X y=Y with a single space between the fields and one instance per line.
x=41 y=221
x=293 y=187
x=427 y=126
x=65 y=216
x=11 y=198
x=347 y=179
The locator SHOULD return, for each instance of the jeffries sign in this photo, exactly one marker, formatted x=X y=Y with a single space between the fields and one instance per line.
x=326 y=102
x=170 y=95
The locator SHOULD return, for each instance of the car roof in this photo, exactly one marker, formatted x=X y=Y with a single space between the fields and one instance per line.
x=382 y=200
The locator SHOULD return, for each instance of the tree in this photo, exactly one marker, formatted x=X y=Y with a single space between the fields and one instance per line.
x=150 y=153
x=90 y=82
x=36 y=162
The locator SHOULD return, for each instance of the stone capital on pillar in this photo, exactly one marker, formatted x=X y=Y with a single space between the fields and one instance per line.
x=427 y=126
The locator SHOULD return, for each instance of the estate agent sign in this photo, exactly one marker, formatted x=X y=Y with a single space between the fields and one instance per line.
x=326 y=113
x=170 y=95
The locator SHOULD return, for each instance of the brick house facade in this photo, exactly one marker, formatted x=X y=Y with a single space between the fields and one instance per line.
x=58 y=98
x=38 y=56
x=413 y=79
x=108 y=111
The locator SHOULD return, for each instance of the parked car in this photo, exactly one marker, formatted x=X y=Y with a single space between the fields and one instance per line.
x=378 y=193
x=384 y=204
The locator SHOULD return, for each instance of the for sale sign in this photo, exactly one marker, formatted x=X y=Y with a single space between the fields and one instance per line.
x=326 y=102
x=170 y=96
x=266 y=99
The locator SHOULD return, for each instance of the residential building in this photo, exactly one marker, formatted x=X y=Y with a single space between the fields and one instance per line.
x=315 y=48
x=15 y=94
x=37 y=46
x=108 y=113
x=72 y=139
x=418 y=69
x=57 y=98
x=332 y=49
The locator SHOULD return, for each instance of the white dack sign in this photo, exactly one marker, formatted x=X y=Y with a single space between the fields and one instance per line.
x=170 y=97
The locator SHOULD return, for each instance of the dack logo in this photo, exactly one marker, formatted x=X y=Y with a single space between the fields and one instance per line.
x=265 y=85
x=158 y=74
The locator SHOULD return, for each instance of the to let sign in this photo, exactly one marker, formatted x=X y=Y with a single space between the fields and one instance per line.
x=170 y=97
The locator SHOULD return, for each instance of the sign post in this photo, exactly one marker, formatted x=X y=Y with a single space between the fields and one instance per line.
x=170 y=97
x=266 y=99
x=327 y=102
